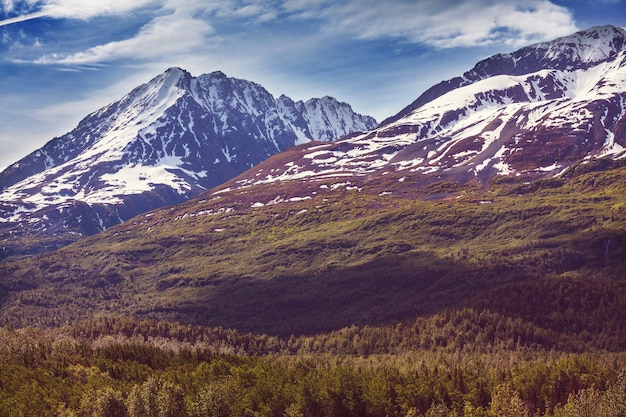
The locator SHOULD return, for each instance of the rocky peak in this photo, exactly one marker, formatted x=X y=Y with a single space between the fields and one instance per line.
x=163 y=143
x=577 y=51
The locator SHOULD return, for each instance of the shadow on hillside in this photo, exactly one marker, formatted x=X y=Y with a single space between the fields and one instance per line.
x=575 y=286
x=387 y=289
x=585 y=293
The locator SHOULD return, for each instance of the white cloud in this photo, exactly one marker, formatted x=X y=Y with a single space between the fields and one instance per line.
x=177 y=27
x=249 y=10
x=68 y=9
x=7 y=6
x=169 y=34
x=19 y=6
x=81 y=9
x=452 y=23
x=437 y=23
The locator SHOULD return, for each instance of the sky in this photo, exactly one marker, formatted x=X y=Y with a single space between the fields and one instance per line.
x=63 y=59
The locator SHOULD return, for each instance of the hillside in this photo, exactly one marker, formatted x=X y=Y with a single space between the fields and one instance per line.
x=550 y=253
x=464 y=258
x=326 y=235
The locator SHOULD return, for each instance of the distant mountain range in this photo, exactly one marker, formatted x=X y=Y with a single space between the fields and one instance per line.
x=530 y=114
x=163 y=143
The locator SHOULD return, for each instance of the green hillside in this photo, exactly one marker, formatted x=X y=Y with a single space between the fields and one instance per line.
x=551 y=254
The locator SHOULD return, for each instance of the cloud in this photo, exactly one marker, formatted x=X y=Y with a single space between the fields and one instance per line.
x=164 y=35
x=446 y=23
x=68 y=9
x=81 y=9
x=439 y=23
x=179 y=26
x=176 y=28
x=18 y=7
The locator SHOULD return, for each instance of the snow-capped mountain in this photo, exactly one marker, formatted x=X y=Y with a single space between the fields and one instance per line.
x=163 y=143
x=528 y=114
x=531 y=113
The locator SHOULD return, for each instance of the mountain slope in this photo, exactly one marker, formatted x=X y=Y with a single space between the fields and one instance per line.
x=579 y=51
x=530 y=114
x=333 y=254
x=360 y=231
x=161 y=144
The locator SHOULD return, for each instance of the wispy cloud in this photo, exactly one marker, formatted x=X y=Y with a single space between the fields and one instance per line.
x=80 y=9
x=178 y=26
x=67 y=9
x=169 y=34
x=175 y=27
x=446 y=23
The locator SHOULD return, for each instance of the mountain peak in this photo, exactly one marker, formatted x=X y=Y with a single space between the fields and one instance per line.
x=585 y=47
x=539 y=112
x=172 y=76
x=218 y=74
x=608 y=33
x=605 y=31
x=176 y=71
x=164 y=142
x=576 y=51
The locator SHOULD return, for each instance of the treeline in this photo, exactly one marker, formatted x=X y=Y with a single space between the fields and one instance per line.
x=466 y=330
x=120 y=367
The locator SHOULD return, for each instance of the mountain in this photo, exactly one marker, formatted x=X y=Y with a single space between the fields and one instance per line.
x=378 y=229
x=164 y=142
x=346 y=279
x=538 y=112
x=582 y=50
x=533 y=113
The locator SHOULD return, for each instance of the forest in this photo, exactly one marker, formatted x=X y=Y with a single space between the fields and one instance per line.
x=123 y=367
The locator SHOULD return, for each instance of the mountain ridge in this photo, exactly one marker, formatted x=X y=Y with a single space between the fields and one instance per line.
x=164 y=142
x=546 y=56
x=532 y=125
x=285 y=259
x=326 y=235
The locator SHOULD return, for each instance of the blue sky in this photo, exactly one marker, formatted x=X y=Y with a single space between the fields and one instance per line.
x=62 y=59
